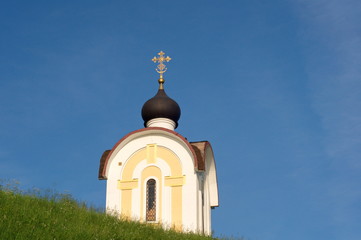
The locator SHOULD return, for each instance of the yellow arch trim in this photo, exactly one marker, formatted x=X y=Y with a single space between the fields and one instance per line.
x=127 y=183
x=133 y=161
x=175 y=181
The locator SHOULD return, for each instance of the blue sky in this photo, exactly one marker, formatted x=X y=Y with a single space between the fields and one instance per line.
x=275 y=86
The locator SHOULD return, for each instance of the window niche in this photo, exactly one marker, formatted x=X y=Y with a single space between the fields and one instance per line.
x=151 y=208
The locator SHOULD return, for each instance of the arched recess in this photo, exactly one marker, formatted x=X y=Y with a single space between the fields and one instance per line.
x=176 y=180
x=151 y=200
x=151 y=172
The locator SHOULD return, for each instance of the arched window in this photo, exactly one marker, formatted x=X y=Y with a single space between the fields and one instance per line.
x=151 y=200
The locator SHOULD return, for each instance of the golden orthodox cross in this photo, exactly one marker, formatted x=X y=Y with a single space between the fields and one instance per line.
x=161 y=68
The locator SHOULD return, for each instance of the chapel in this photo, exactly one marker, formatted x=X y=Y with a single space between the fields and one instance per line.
x=156 y=175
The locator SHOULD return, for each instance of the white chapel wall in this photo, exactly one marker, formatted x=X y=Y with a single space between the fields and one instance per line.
x=190 y=208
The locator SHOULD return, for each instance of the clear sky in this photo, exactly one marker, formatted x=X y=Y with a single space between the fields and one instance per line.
x=275 y=86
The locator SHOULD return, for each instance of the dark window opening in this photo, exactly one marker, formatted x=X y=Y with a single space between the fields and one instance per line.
x=151 y=200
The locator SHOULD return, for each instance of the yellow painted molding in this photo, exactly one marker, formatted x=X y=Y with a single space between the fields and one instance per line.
x=132 y=162
x=172 y=160
x=127 y=184
x=177 y=205
x=151 y=153
x=172 y=181
x=174 y=177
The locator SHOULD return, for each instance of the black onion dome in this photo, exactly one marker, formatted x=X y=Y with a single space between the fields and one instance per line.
x=161 y=106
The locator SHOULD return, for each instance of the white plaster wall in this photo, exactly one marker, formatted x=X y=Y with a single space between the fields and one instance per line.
x=190 y=207
x=207 y=209
x=112 y=197
x=200 y=187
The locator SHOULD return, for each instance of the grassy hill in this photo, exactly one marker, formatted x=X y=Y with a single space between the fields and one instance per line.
x=30 y=216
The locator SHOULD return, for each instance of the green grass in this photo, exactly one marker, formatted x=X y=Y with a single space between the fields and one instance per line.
x=34 y=215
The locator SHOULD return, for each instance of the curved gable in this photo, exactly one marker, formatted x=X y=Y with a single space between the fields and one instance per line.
x=109 y=154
